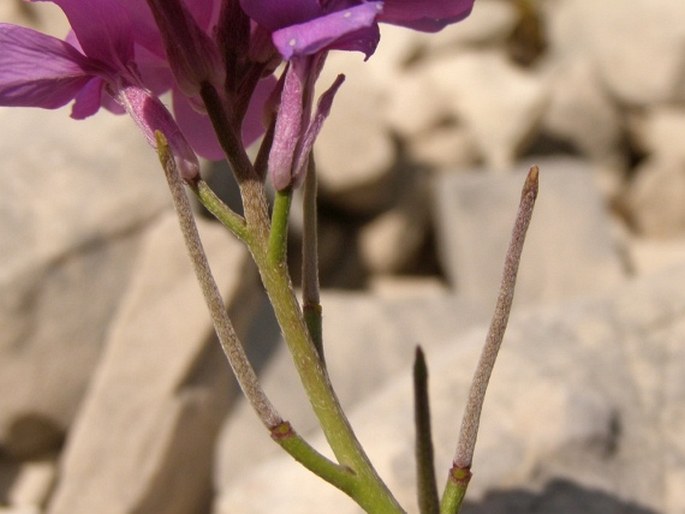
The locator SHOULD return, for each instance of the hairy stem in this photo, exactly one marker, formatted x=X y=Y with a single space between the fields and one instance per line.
x=281 y=431
x=243 y=370
x=460 y=473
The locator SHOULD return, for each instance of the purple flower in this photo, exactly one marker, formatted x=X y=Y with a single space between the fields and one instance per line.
x=304 y=27
x=303 y=31
x=117 y=58
x=95 y=67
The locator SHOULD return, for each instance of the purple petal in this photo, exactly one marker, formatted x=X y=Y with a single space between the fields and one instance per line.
x=205 y=12
x=143 y=26
x=38 y=70
x=112 y=105
x=150 y=115
x=253 y=124
x=88 y=100
x=276 y=14
x=191 y=53
x=197 y=128
x=154 y=71
x=323 y=109
x=425 y=15
x=103 y=29
x=325 y=31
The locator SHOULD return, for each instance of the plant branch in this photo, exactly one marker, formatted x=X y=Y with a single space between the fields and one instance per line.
x=341 y=477
x=311 y=299
x=228 y=134
x=460 y=473
x=369 y=490
x=281 y=431
x=243 y=370
x=427 y=488
x=278 y=237
x=229 y=218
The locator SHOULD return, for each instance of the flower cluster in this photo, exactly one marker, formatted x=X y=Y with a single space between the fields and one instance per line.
x=123 y=54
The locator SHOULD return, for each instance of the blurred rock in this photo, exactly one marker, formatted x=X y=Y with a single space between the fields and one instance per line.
x=568 y=250
x=71 y=218
x=655 y=255
x=354 y=154
x=656 y=198
x=581 y=112
x=499 y=103
x=660 y=133
x=415 y=104
x=639 y=60
x=20 y=510
x=33 y=486
x=11 y=11
x=393 y=241
x=367 y=340
x=144 y=438
x=589 y=392
x=47 y=18
x=398 y=287
x=399 y=47
x=490 y=23
x=448 y=147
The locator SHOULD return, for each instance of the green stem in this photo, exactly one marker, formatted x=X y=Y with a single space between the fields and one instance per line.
x=281 y=431
x=455 y=490
x=369 y=490
x=460 y=473
x=278 y=238
x=242 y=369
x=427 y=488
x=341 y=477
x=366 y=488
x=229 y=218
x=311 y=300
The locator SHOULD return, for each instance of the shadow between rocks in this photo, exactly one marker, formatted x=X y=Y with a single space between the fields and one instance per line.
x=558 y=497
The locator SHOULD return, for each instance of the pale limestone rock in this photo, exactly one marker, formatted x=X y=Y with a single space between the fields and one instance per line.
x=144 y=437
x=569 y=250
x=656 y=198
x=499 y=103
x=33 y=485
x=26 y=509
x=72 y=211
x=399 y=287
x=393 y=241
x=649 y=255
x=638 y=52
x=354 y=153
x=44 y=17
x=491 y=22
x=449 y=147
x=398 y=47
x=660 y=133
x=11 y=12
x=415 y=103
x=588 y=394
x=580 y=111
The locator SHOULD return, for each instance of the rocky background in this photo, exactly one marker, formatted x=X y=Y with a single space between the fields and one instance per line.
x=114 y=395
